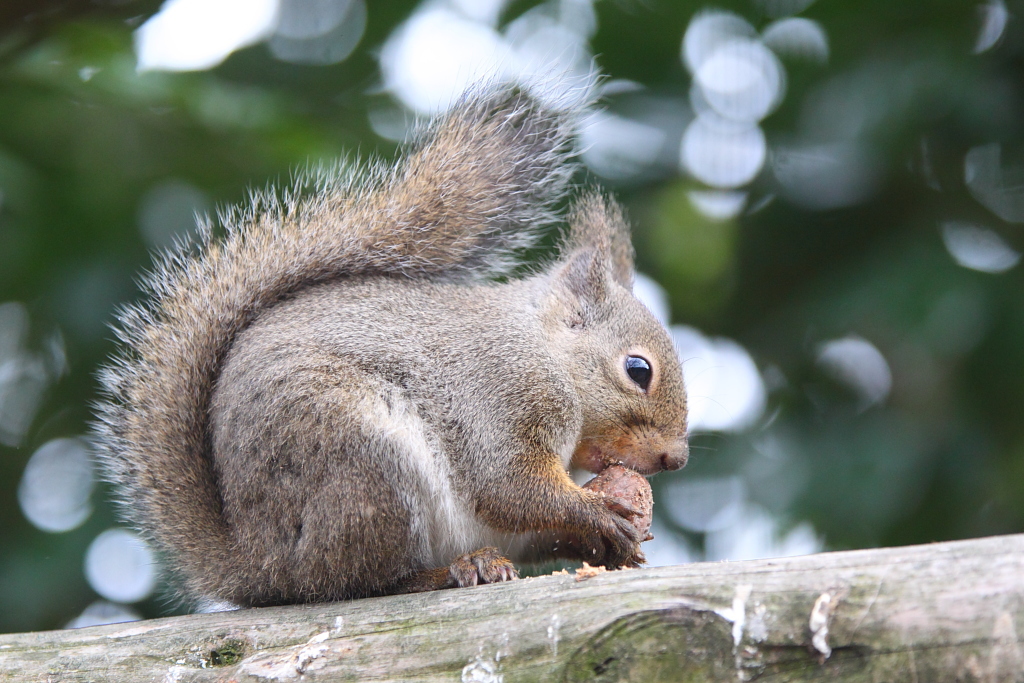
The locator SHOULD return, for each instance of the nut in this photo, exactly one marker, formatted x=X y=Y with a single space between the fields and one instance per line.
x=631 y=488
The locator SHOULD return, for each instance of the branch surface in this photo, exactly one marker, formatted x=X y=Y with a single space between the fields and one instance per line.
x=933 y=613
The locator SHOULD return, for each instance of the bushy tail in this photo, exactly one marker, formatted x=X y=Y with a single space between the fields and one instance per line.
x=477 y=186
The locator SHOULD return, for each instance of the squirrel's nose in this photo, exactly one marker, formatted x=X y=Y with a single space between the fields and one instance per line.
x=675 y=458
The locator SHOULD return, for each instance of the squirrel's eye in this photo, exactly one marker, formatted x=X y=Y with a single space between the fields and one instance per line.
x=639 y=370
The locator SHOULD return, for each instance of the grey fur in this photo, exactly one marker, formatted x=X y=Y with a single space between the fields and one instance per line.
x=301 y=403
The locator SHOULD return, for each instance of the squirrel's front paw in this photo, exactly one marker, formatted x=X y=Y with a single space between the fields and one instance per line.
x=615 y=541
x=486 y=565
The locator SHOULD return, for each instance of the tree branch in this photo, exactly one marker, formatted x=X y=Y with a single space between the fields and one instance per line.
x=942 y=612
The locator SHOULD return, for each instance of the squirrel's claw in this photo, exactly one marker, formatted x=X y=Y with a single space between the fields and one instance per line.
x=615 y=542
x=486 y=565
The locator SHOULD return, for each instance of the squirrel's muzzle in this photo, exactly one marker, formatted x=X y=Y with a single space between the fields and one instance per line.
x=675 y=458
x=646 y=453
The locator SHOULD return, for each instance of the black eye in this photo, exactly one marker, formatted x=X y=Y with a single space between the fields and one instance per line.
x=639 y=370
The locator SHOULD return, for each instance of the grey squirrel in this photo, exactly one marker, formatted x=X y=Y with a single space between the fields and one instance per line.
x=350 y=393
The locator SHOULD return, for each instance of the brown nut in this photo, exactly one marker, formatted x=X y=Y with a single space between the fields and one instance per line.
x=630 y=487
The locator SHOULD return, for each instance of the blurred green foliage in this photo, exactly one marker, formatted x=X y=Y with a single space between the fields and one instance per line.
x=83 y=137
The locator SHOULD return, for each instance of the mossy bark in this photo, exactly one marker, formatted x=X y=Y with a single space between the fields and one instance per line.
x=942 y=612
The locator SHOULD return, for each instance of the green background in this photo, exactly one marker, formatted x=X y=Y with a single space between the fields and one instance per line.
x=941 y=458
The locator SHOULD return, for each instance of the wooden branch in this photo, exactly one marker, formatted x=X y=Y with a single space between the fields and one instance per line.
x=942 y=612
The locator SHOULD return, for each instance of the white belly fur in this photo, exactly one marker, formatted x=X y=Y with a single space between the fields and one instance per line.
x=444 y=525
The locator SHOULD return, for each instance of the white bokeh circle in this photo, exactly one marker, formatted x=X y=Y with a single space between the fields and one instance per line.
x=120 y=566
x=56 y=485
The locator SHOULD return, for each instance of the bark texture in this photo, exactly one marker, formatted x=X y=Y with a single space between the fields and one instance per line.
x=928 y=614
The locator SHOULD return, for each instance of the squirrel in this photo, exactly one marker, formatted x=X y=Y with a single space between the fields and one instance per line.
x=355 y=387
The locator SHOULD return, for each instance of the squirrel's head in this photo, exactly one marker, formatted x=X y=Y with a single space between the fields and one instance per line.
x=624 y=365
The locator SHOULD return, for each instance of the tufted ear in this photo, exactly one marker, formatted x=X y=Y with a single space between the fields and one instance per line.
x=585 y=276
x=597 y=222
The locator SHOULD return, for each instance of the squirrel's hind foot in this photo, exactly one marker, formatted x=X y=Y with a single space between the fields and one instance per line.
x=486 y=565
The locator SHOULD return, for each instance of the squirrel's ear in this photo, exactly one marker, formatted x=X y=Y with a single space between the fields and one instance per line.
x=584 y=275
x=597 y=222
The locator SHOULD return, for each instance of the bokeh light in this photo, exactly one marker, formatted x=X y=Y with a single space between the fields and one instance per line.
x=188 y=35
x=619 y=148
x=994 y=16
x=706 y=504
x=634 y=135
x=718 y=204
x=56 y=485
x=708 y=31
x=318 y=33
x=24 y=374
x=734 y=527
x=444 y=48
x=725 y=389
x=741 y=80
x=757 y=535
x=737 y=81
x=723 y=153
x=192 y=35
x=978 y=248
x=653 y=297
x=997 y=187
x=858 y=364
x=437 y=54
x=797 y=37
x=120 y=566
x=667 y=549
